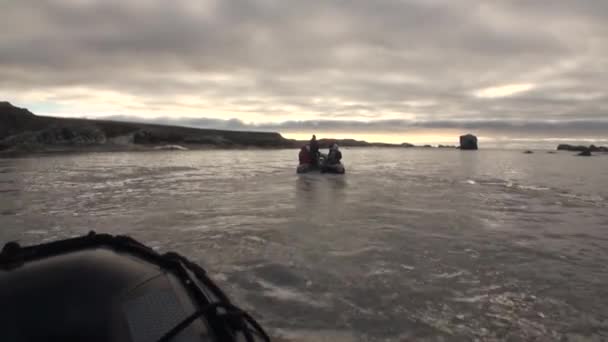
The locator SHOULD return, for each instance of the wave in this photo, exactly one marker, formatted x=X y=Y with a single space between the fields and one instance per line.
x=288 y=294
x=508 y=184
x=596 y=200
x=355 y=252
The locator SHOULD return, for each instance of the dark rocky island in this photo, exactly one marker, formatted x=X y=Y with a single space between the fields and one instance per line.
x=582 y=148
x=468 y=142
x=584 y=151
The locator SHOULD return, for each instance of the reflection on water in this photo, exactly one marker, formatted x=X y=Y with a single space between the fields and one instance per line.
x=409 y=245
x=317 y=190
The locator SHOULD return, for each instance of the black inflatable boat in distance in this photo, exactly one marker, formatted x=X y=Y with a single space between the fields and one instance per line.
x=100 y=287
x=335 y=169
x=322 y=167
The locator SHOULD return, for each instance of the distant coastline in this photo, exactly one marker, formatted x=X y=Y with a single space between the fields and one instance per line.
x=23 y=132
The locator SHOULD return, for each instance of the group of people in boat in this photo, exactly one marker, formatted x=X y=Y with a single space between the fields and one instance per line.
x=312 y=159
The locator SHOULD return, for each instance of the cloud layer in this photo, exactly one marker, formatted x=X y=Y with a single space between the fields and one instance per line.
x=535 y=64
x=520 y=128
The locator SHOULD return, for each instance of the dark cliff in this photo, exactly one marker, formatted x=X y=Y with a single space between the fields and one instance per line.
x=22 y=130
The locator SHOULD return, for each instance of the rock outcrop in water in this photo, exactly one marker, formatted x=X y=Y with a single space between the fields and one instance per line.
x=468 y=142
x=582 y=148
x=23 y=131
x=585 y=153
x=594 y=148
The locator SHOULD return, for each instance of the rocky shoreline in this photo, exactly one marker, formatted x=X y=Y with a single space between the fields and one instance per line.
x=23 y=132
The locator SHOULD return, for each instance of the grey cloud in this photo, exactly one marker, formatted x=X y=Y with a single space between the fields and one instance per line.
x=573 y=128
x=373 y=55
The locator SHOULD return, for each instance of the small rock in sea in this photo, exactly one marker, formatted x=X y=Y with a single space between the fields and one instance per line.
x=468 y=142
x=585 y=153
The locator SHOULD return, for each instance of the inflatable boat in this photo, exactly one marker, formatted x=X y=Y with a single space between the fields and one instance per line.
x=106 y=288
x=323 y=167
x=335 y=168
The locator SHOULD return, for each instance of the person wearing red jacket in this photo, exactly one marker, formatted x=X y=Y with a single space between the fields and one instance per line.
x=305 y=155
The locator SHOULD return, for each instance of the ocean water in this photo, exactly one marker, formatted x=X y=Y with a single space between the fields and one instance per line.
x=410 y=244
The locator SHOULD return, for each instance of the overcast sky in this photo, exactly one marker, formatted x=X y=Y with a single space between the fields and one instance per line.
x=384 y=66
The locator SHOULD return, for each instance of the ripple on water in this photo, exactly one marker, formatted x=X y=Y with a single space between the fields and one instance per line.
x=359 y=251
x=408 y=246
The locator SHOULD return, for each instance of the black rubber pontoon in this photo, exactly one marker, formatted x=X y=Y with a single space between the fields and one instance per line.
x=112 y=288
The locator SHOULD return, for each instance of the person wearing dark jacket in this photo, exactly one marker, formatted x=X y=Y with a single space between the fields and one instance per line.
x=314 y=149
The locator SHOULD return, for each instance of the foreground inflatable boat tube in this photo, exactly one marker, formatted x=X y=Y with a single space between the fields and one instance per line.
x=112 y=288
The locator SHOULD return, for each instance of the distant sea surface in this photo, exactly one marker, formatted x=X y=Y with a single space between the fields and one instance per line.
x=410 y=244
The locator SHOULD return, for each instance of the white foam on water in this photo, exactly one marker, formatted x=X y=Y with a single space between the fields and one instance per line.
x=584 y=198
x=449 y=275
x=474 y=299
x=36 y=232
x=289 y=294
x=379 y=272
x=533 y=187
x=255 y=239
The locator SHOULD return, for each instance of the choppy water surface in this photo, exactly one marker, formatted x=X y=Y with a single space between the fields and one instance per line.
x=429 y=245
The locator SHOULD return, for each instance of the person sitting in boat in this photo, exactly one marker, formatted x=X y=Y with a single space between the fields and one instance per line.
x=334 y=156
x=305 y=155
x=314 y=149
